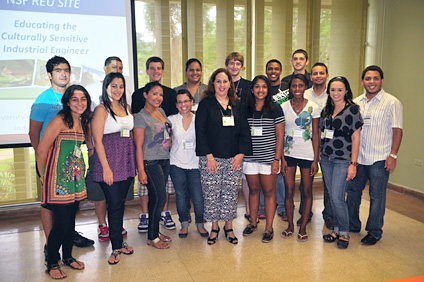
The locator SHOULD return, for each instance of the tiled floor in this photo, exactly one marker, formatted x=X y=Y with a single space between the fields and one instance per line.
x=400 y=253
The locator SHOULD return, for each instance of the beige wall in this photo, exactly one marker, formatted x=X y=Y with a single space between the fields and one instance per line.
x=399 y=49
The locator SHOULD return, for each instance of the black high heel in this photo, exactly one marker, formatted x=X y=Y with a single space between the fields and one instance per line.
x=232 y=240
x=212 y=241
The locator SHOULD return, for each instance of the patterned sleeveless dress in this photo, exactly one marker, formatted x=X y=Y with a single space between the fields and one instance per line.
x=64 y=172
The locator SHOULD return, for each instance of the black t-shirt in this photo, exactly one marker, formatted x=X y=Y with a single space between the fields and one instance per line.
x=285 y=81
x=242 y=87
x=168 y=103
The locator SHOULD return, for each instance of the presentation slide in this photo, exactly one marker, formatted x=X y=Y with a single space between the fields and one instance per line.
x=85 y=32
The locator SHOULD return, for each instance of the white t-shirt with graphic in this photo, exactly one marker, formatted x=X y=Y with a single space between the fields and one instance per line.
x=298 y=131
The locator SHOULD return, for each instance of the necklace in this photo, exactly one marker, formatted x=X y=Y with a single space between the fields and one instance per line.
x=299 y=110
x=223 y=103
x=154 y=115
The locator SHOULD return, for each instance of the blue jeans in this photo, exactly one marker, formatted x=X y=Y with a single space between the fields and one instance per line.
x=115 y=198
x=378 y=177
x=157 y=175
x=187 y=185
x=335 y=174
x=281 y=196
x=327 y=212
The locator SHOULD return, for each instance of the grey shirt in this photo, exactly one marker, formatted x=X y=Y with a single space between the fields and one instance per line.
x=156 y=135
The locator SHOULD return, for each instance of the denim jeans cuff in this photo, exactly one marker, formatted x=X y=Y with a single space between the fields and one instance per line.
x=344 y=233
x=184 y=224
x=200 y=225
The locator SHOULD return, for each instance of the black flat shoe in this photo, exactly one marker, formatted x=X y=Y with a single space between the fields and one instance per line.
x=232 y=240
x=369 y=240
x=250 y=228
x=212 y=241
x=330 y=238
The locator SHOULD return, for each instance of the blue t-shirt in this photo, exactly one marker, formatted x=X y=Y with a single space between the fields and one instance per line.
x=46 y=107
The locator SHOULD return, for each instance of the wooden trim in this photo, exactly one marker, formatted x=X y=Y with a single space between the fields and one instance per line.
x=406 y=192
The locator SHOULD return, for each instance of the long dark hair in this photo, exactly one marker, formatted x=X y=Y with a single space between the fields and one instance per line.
x=297 y=76
x=251 y=99
x=210 y=90
x=105 y=96
x=66 y=110
x=348 y=98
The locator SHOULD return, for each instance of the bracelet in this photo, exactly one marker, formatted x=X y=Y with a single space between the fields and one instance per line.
x=212 y=159
x=277 y=160
x=393 y=156
x=88 y=150
x=354 y=163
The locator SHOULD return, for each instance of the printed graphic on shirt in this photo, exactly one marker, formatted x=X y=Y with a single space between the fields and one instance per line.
x=159 y=135
x=303 y=121
x=281 y=96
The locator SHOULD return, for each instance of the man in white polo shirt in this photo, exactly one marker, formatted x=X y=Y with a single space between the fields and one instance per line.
x=381 y=136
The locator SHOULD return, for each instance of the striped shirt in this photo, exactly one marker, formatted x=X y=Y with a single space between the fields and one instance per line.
x=381 y=114
x=264 y=144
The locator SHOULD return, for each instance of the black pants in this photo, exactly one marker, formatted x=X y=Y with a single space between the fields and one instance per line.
x=62 y=233
x=115 y=198
x=157 y=175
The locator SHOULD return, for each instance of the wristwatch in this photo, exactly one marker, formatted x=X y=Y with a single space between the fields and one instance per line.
x=393 y=156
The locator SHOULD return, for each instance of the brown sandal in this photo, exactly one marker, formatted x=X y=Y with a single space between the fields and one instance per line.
x=115 y=253
x=125 y=246
x=56 y=267
x=70 y=261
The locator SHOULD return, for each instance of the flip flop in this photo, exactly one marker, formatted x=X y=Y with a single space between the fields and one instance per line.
x=286 y=234
x=302 y=238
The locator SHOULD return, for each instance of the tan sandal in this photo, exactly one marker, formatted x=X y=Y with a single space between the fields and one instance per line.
x=165 y=238
x=158 y=244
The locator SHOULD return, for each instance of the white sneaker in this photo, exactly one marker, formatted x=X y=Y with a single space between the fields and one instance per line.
x=166 y=220
x=144 y=223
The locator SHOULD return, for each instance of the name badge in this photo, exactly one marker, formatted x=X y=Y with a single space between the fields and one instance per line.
x=165 y=134
x=256 y=131
x=228 y=121
x=125 y=132
x=367 y=121
x=297 y=132
x=188 y=144
x=328 y=133
x=194 y=107
x=77 y=151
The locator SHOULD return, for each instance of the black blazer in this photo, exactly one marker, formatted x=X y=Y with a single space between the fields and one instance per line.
x=214 y=138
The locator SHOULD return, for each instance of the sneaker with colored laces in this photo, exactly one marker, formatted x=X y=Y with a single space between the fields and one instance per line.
x=283 y=215
x=103 y=233
x=166 y=220
x=261 y=214
x=144 y=222
x=81 y=241
x=124 y=232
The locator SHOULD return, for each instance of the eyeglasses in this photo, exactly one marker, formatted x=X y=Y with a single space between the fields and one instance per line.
x=183 y=102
